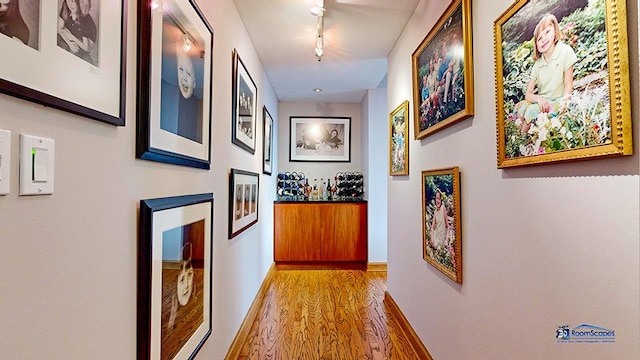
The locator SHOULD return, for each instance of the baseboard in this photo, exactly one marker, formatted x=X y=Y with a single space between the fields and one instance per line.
x=377 y=266
x=321 y=265
x=409 y=333
x=241 y=336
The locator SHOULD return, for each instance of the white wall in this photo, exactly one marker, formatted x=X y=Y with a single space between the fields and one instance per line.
x=375 y=159
x=318 y=170
x=68 y=260
x=542 y=246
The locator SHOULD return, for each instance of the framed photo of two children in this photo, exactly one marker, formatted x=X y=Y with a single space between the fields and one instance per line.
x=562 y=83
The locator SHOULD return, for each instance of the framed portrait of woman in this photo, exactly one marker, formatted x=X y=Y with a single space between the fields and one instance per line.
x=562 y=82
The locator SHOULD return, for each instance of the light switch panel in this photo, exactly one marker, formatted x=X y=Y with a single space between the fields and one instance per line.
x=5 y=161
x=36 y=165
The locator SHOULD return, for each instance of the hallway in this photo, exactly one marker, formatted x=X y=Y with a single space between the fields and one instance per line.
x=327 y=314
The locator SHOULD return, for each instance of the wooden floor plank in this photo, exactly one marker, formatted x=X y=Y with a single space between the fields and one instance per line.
x=326 y=314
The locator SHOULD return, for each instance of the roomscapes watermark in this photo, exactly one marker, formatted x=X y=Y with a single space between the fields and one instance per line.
x=585 y=333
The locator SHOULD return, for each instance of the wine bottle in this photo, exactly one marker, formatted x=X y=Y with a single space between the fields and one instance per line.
x=328 y=191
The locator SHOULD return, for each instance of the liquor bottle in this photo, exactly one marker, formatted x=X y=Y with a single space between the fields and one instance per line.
x=321 y=190
x=307 y=189
x=314 y=192
x=334 y=189
x=328 y=191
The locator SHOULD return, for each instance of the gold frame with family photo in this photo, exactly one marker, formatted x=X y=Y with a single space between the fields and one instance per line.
x=244 y=196
x=443 y=72
x=582 y=111
x=175 y=77
x=441 y=232
x=48 y=59
x=175 y=276
x=399 y=140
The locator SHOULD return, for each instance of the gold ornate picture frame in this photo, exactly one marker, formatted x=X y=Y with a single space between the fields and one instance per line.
x=443 y=72
x=589 y=116
x=441 y=233
x=399 y=140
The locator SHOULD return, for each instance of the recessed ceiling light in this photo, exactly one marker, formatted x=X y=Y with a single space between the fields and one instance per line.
x=317 y=89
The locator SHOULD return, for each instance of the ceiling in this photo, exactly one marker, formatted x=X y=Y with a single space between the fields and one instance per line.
x=358 y=37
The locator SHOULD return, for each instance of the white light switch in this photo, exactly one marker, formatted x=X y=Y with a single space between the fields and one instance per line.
x=5 y=161
x=36 y=165
x=40 y=164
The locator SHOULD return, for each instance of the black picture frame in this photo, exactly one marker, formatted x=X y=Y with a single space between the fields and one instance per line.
x=320 y=139
x=175 y=273
x=175 y=84
x=87 y=82
x=244 y=106
x=244 y=196
x=267 y=141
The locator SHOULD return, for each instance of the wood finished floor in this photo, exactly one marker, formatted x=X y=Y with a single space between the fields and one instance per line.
x=326 y=314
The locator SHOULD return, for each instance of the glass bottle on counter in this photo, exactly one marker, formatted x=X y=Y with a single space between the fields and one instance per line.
x=307 y=189
x=328 y=190
x=314 y=192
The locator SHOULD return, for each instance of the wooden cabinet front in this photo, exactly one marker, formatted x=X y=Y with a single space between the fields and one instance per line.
x=320 y=232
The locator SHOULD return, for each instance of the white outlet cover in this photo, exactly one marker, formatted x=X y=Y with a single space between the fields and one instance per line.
x=29 y=147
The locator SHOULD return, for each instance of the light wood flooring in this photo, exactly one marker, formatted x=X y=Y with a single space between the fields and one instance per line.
x=327 y=314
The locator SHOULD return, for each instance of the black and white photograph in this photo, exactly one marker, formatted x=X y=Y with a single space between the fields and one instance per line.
x=66 y=54
x=175 y=116
x=267 y=140
x=20 y=21
x=243 y=200
x=245 y=107
x=78 y=28
x=174 y=276
x=320 y=139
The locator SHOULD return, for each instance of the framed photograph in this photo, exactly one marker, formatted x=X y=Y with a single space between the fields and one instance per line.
x=267 y=140
x=245 y=106
x=399 y=140
x=243 y=201
x=441 y=241
x=325 y=139
x=443 y=72
x=174 y=276
x=562 y=81
x=175 y=46
x=66 y=54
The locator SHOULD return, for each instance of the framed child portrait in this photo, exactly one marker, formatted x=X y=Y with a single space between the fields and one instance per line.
x=443 y=72
x=399 y=140
x=174 y=276
x=562 y=76
x=66 y=54
x=175 y=84
x=441 y=234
